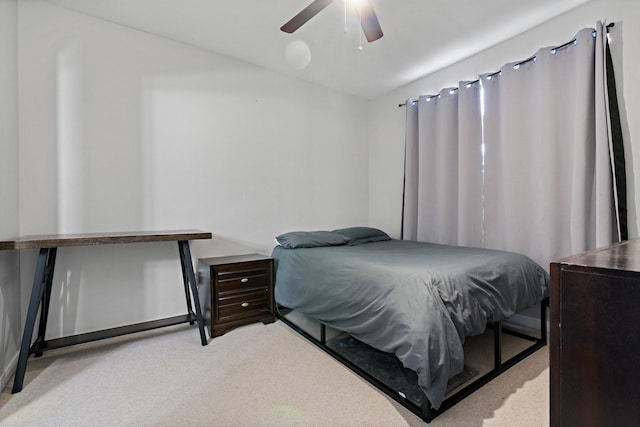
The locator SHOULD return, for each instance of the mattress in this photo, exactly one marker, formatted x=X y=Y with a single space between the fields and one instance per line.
x=416 y=300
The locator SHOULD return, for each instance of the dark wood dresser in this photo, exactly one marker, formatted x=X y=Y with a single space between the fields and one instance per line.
x=241 y=289
x=595 y=337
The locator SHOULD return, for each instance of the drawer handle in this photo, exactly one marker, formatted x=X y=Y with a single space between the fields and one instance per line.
x=245 y=304
x=244 y=280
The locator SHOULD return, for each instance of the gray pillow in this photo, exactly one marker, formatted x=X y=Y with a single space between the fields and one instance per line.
x=360 y=235
x=311 y=239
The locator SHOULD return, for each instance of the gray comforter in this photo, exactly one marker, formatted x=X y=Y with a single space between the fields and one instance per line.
x=417 y=300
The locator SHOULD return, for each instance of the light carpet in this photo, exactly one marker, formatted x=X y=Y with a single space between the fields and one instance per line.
x=255 y=375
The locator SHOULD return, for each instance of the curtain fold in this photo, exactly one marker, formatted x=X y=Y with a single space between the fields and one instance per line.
x=520 y=160
x=438 y=157
x=470 y=166
x=436 y=127
x=616 y=146
x=410 y=191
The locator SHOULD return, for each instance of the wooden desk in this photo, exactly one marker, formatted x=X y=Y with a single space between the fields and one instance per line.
x=43 y=279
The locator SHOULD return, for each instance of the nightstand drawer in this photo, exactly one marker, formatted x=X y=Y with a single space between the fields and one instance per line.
x=243 y=305
x=242 y=280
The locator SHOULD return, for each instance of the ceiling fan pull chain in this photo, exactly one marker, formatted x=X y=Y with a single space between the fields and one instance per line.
x=360 y=48
x=345 y=17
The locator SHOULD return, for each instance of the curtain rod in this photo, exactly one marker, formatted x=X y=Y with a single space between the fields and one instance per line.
x=531 y=58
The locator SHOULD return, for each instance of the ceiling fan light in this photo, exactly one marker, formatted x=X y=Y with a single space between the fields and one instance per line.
x=368 y=19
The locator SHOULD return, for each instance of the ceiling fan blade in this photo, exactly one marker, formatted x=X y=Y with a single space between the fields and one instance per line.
x=304 y=15
x=369 y=22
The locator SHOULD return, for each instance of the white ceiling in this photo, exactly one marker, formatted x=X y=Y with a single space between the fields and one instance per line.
x=420 y=36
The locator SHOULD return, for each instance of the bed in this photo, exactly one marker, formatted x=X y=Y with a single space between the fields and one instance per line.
x=413 y=299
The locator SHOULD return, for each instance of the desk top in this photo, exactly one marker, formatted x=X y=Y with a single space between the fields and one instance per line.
x=89 y=239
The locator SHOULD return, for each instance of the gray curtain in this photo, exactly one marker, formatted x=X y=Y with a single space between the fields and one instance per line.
x=444 y=145
x=519 y=160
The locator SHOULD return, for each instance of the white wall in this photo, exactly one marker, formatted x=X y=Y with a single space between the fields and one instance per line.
x=123 y=130
x=386 y=120
x=10 y=326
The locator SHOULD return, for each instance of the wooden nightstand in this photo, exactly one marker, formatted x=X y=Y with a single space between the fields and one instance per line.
x=241 y=288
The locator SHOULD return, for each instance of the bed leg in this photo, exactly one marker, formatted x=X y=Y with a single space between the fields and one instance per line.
x=497 y=346
x=323 y=333
x=425 y=407
x=543 y=320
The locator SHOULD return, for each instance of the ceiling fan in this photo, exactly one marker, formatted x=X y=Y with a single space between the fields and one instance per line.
x=368 y=18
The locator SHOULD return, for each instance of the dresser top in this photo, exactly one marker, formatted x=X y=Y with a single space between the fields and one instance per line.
x=618 y=256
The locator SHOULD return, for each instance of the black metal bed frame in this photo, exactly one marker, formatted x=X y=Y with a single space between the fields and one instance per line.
x=425 y=411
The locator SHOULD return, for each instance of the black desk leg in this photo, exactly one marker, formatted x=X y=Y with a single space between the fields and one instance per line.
x=189 y=276
x=45 y=257
x=185 y=279
x=46 y=298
